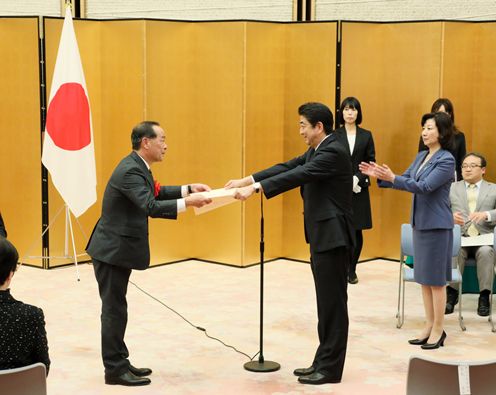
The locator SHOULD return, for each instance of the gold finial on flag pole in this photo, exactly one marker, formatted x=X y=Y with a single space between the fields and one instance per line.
x=67 y=5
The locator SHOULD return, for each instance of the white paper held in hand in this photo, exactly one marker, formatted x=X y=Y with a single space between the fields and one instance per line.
x=220 y=197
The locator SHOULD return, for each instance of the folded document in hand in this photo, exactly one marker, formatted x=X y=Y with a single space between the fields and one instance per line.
x=220 y=197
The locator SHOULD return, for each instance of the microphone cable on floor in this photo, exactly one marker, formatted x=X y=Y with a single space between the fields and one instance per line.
x=193 y=325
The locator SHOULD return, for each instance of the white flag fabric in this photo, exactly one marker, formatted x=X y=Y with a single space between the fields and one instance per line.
x=68 y=149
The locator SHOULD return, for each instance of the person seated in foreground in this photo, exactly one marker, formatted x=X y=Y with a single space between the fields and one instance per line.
x=23 y=339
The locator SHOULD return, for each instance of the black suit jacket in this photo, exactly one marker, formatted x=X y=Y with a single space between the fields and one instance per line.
x=23 y=339
x=364 y=151
x=120 y=236
x=326 y=186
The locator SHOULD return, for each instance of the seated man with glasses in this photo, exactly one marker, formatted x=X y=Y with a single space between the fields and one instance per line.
x=473 y=202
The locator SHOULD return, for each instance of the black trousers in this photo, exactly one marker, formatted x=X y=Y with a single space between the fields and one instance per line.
x=330 y=271
x=357 y=250
x=112 y=285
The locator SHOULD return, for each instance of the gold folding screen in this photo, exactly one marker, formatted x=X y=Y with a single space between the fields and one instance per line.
x=394 y=70
x=310 y=76
x=20 y=185
x=227 y=95
x=221 y=92
x=469 y=78
x=195 y=88
x=397 y=71
x=482 y=132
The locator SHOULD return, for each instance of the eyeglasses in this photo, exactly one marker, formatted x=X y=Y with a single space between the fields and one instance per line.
x=471 y=165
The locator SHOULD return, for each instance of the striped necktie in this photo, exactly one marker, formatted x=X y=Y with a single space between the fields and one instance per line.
x=472 y=204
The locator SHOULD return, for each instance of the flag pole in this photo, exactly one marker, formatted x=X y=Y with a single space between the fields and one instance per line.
x=68 y=152
x=68 y=219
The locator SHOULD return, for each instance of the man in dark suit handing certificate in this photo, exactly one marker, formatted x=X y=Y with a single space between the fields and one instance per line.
x=325 y=176
x=119 y=242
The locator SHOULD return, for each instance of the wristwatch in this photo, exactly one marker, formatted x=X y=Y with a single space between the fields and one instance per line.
x=190 y=190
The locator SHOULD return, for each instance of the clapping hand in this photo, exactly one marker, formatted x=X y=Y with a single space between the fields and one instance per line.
x=372 y=169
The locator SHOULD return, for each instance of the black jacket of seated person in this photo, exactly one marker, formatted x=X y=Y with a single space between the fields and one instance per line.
x=23 y=338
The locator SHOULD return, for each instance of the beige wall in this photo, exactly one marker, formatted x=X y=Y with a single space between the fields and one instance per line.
x=227 y=95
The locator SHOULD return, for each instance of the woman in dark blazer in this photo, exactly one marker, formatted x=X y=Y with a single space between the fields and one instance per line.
x=360 y=145
x=459 y=149
x=429 y=178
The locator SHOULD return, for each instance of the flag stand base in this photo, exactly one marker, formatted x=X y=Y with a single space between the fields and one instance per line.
x=265 y=366
x=68 y=232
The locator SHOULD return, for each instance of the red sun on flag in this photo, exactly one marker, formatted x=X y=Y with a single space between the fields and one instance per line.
x=68 y=118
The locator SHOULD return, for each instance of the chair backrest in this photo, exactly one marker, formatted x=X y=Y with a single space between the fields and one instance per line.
x=407 y=240
x=430 y=377
x=457 y=240
x=26 y=380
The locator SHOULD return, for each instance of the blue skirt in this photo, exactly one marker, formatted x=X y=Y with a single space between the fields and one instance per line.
x=432 y=256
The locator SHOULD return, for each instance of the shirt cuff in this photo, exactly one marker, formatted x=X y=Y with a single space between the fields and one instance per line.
x=488 y=216
x=181 y=205
x=184 y=191
x=252 y=180
x=355 y=181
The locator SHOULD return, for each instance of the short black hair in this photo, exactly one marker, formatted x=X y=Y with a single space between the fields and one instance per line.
x=351 y=102
x=477 y=155
x=143 y=129
x=317 y=112
x=444 y=126
x=9 y=257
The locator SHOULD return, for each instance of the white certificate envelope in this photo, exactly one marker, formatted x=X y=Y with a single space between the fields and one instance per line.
x=220 y=197
x=481 y=240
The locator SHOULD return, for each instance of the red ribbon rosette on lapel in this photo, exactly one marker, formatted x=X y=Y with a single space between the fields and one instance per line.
x=157 y=188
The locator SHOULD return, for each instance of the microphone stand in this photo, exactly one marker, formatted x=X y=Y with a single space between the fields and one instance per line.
x=261 y=365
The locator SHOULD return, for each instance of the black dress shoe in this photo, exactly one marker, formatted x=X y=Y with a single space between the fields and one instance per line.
x=449 y=308
x=352 y=278
x=317 y=378
x=304 y=371
x=140 y=372
x=483 y=307
x=439 y=343
x=451 y=300
x=128 y=379
x=418 y=342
